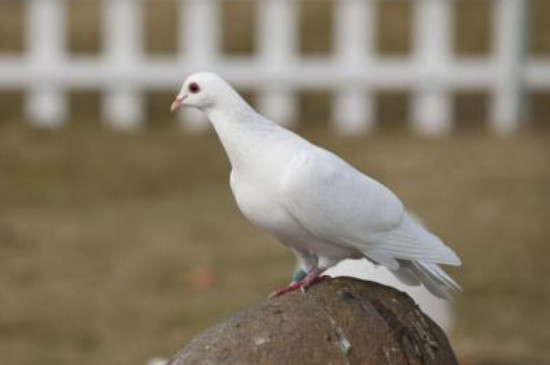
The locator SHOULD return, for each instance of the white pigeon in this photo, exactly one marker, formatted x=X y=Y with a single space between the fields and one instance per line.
x=315 y=203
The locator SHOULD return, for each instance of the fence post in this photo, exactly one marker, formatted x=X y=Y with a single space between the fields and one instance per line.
x=199 y=49
x=45 y=104
x=123 y=103
x=433 y=40
x=354 y=41
x=277 y=36
x=509 y=40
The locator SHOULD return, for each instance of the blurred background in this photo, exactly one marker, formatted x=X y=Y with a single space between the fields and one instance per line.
x=116 y=247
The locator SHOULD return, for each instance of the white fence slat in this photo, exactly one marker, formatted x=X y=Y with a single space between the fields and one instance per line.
x=537 y=74
x=507 y=109
x=277 y=35
x=201 y=32
x=278 y=105
x=354 y=34
x=433 y=38
x=353 y=112
x=200 y=37
x=123 y=40
x=354 y=38
x=45 y=103
x=124 y=108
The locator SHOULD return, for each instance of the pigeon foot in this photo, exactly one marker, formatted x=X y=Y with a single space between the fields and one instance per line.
x=319 y=279
x=312 y=278
x=295 y=285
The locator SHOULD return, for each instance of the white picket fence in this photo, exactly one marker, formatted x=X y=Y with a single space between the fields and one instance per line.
x=354 y=73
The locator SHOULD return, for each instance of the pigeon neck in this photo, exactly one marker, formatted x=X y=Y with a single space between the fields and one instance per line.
x=242 y=132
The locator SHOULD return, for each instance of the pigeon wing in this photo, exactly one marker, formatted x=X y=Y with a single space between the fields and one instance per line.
x=339 y=204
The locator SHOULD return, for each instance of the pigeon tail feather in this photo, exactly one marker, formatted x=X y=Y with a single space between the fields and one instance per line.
x=432 y=276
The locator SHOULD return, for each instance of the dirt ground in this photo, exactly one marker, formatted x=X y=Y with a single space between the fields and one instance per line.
x=117 y=248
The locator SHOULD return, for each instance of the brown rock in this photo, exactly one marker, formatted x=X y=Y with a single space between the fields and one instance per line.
x=340 y=321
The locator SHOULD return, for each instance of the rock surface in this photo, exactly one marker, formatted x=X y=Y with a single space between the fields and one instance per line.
x=340 y=321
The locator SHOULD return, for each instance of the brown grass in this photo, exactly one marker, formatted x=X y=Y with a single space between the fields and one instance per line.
x=101 y=234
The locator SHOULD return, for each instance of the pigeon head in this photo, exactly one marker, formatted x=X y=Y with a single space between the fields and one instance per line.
x=202 y=90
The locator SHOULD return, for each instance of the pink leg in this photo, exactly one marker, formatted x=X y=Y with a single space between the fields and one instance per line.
x=295 y=285
x=312 y=278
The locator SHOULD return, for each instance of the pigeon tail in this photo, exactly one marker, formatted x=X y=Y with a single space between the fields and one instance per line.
x=432 y=276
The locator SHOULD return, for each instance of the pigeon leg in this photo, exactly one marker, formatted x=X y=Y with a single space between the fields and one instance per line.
x=299 y=276
x=295 y=285
x=312 y=278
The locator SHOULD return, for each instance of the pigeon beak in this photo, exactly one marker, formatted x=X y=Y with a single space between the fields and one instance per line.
x=178 y=103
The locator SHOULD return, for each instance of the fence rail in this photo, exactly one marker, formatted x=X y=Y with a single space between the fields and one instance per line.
x=277 y=72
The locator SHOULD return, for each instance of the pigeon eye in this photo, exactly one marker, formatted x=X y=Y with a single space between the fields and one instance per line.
x=194 y=88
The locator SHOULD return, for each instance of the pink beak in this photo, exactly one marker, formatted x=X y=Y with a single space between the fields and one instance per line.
x=176 y=104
